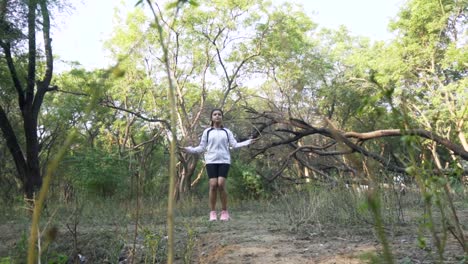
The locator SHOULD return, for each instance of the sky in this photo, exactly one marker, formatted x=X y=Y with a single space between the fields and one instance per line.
x=79 y=34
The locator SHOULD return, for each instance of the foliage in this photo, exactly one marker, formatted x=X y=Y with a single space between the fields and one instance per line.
x=97 y=171
x=5 y=260
x=154 y=242
x=245 y=183
x=58 y=259
x=191 y=242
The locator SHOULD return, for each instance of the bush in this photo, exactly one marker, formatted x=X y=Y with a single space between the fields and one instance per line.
x=97 y=171
x=245 y=183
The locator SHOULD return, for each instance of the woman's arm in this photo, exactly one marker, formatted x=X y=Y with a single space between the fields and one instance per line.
x=234 y=144
x=200 y=148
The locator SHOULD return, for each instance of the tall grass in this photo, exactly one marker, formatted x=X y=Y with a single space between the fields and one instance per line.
x=103 y=230
x=320 y=207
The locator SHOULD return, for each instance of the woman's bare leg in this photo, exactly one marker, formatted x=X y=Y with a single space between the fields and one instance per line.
x=213 y=193
x=222 y=192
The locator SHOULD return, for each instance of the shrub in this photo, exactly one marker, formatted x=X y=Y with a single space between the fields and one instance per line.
x=97 y=171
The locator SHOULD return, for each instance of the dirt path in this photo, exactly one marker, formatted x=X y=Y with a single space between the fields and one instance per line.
x=245 y=239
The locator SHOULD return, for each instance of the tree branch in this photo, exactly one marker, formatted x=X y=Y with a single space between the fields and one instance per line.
x=43 y=85
x=12 y=144
x=153 y=120
x=296 y=129
x=31 y=51
x=14 y=75
x=457 y=150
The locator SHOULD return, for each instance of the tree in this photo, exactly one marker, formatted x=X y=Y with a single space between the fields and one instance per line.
x=208 y=56
x=29 y=87
x=432 y=59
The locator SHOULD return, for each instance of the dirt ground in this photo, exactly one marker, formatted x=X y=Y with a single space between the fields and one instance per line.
x=252 y=238
x=246 y=239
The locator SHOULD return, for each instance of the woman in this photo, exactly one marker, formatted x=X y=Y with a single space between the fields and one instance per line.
x=215 y=142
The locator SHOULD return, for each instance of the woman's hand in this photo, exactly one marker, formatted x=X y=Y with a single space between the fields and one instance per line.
x=253 y=140
x=182 y=149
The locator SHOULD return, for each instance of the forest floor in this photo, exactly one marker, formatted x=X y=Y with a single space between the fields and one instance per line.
x=250 y=236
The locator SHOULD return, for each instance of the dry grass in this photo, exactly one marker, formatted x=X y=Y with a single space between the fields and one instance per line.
x=325 y=225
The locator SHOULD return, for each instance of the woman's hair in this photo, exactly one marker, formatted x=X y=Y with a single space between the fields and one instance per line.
x=211 y=114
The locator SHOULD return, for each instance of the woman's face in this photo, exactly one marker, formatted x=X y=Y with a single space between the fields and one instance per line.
x=217 y=116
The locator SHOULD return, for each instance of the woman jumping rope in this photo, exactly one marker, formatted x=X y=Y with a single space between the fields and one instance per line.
x=215 y=142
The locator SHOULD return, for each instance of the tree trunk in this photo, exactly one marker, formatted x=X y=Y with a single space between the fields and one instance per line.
x=30 y=98
x=33 y=179
x=185 y=175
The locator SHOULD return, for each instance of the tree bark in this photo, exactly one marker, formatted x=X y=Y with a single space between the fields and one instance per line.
x=30 y=99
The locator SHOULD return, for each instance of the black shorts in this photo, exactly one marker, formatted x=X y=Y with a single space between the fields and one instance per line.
x=217 y=170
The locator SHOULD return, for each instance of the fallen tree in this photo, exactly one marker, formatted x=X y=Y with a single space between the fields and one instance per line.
x=297 y=136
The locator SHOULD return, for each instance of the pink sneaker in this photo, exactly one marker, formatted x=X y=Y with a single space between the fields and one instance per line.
x=213 y=216
x=224 y=215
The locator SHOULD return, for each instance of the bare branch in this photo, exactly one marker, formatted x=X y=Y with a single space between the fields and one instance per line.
x=148 y=119
x=457 y=150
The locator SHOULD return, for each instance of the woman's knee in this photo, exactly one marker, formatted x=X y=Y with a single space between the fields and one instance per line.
x=213 y=185
x=221 y=186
